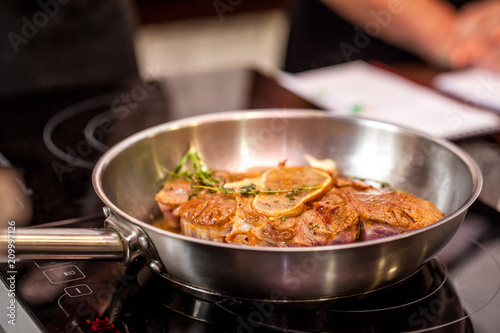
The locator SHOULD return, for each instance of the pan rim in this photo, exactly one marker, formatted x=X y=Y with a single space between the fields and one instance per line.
x=105 y=159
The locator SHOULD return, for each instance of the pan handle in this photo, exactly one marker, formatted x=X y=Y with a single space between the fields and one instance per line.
x=61 y=243
x=121 y=240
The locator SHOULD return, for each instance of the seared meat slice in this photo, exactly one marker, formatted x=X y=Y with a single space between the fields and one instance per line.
x=248 y=224
x=384 y=213
x=222 y=176
x=208 y=216
x=341 y=217
x=312 y=229
x=170 y=197
x=256 y=229
x=174 y=193
x=177 y=192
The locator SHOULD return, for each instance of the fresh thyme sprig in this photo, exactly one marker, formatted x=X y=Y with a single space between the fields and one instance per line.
x=252 y=190
x=196 y=172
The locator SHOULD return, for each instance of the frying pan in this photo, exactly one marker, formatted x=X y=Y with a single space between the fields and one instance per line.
x=129 y=174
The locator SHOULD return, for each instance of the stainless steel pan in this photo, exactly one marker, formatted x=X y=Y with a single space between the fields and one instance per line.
x=130 y=173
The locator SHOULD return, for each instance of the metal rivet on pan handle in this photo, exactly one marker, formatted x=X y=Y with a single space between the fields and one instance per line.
x=155 y=266
x=107 y=211
x=143 y=242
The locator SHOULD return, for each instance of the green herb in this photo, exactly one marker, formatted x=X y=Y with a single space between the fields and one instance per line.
x=385 y=185
x=252 y=190
x=283 y=218
x=382 y=184
x=193 y=169
x=214 y=189
x=249 y=190
x=314 y=226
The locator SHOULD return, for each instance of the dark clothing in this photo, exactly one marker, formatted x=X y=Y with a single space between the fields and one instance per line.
x=319 y=37
x=63 y=44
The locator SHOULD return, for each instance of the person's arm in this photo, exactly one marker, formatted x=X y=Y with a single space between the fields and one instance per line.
x=431 y=29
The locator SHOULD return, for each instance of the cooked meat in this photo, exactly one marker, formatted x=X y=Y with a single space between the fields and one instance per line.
x=248 y=224
x=170 y=198
x=313 y=230
x=256 y=229
x=174 y=193
x=340 y=215
x=380 y=213
x=208 y=216
x=209 y=209
x=292 y=206
x=223 y=176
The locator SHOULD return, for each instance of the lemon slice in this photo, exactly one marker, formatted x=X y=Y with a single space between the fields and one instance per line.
x=244 y=182
x=296 y=186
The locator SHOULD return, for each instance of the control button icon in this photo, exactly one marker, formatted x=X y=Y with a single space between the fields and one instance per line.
x=78 y=290
x=63 y=274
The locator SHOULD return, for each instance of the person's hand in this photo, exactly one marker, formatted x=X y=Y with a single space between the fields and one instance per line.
x=475 y=39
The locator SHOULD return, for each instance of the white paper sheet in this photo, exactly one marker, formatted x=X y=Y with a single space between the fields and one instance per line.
x=478 y=86
x=360 y=89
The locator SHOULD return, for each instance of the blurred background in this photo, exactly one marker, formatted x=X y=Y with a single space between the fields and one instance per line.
x=191 y=36
x=53 y=44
